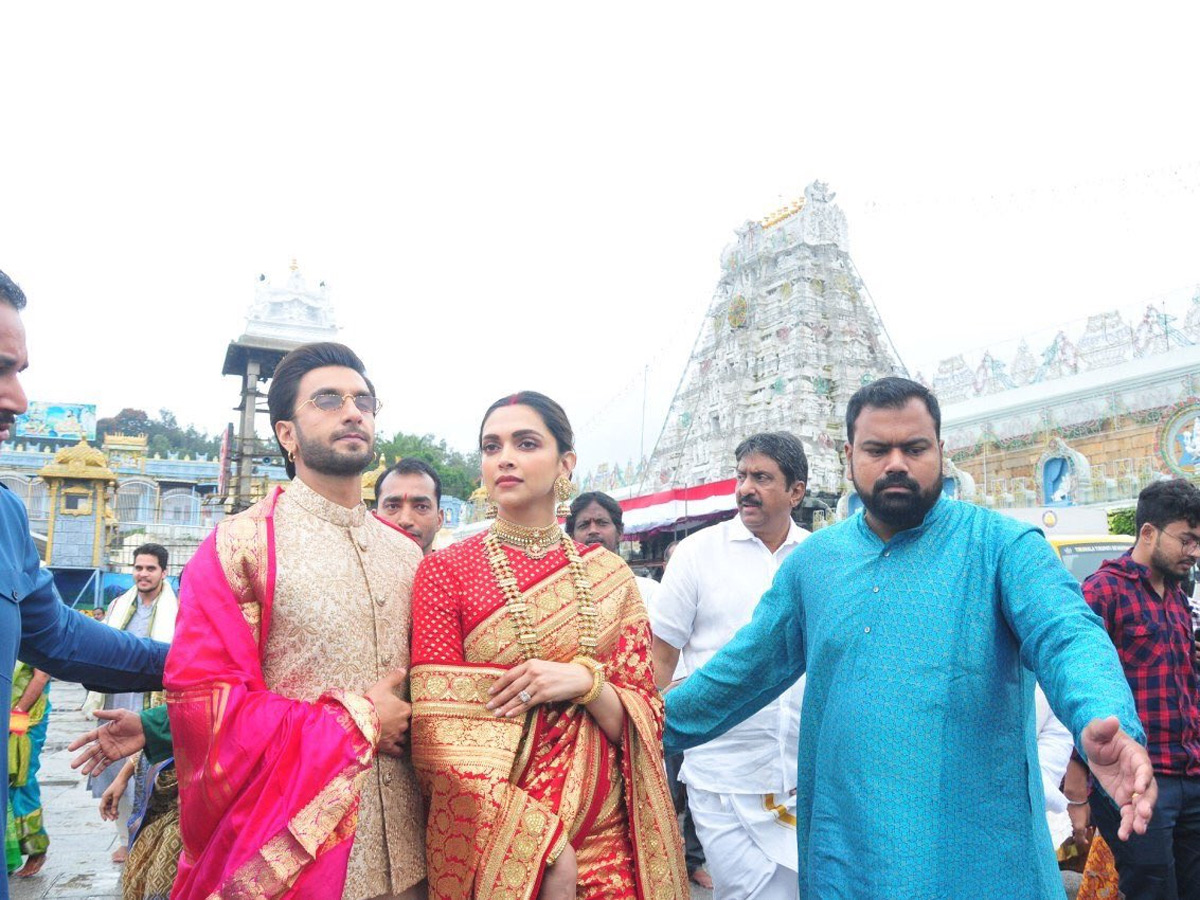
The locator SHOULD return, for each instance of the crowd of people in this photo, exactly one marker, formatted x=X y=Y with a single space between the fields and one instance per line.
x=350 y=714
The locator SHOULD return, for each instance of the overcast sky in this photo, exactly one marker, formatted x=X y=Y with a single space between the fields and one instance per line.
x=507 y=196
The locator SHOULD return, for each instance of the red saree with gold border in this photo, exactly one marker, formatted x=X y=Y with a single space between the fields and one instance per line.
x=268 y=786
x=507 y=794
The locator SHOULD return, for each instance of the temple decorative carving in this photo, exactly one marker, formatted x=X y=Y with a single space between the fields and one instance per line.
x=790 y=335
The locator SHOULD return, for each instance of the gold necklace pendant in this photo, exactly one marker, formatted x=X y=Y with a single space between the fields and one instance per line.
x=535 y=542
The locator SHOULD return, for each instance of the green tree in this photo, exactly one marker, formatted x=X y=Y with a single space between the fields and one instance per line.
x=1122 y=521
x=164 y=434
x=459 y=472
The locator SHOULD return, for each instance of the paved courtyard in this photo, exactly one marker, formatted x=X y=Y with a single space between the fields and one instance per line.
x=78 y=864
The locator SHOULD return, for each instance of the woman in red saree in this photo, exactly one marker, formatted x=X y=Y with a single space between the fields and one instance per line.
x=537 y=729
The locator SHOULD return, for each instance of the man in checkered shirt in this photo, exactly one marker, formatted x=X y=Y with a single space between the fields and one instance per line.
x=1149 y=619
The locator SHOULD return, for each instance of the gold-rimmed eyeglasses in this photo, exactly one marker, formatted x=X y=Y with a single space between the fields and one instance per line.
x=331 y=401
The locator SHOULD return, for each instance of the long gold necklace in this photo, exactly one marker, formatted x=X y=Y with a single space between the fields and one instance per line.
x=515 y=603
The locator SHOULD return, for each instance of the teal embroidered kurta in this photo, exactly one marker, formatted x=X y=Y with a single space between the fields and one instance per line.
x=918 y=773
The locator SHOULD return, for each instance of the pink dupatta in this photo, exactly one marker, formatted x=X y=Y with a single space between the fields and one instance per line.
x=269 y=787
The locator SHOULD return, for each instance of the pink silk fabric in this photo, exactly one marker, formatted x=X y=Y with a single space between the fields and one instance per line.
x=268 y=786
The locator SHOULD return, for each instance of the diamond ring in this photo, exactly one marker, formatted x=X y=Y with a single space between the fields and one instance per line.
x=524 y=697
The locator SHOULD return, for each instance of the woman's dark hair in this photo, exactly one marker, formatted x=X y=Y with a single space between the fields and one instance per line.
x=605 y=502
x=285 y=383
x=552 y=414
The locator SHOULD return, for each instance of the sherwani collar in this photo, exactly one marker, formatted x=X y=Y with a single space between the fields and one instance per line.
x=336 y=514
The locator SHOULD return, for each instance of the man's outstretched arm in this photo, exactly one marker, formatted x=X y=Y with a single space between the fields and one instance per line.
x=74 y=647
x=763 y=660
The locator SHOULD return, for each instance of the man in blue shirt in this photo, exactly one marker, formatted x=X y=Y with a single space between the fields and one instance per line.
x=922 y=626
x=35 y=624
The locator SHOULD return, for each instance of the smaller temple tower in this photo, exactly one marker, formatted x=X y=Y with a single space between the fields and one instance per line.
x=78 y=483
x=280 y=319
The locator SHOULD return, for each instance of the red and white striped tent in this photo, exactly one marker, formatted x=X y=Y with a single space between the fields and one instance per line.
x=665 y=510
x=675 y=508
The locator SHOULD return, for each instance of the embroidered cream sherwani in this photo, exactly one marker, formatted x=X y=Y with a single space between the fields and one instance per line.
x=340 y=620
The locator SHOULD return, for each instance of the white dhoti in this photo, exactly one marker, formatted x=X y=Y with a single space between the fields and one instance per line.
x=749 y=844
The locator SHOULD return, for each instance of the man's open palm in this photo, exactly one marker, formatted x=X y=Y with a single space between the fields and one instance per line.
x=117 y=737
x=1122 y=766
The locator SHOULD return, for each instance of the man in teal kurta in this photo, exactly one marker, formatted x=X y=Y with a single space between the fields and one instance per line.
x=918 y=624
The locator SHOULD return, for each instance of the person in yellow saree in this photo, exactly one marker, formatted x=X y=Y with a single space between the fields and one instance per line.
x=537 y=729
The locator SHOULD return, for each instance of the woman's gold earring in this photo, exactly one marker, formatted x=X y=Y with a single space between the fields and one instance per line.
x=490 y=510
x=562 y=490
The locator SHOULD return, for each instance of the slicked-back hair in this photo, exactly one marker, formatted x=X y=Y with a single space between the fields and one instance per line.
x=891 y=392
x=607 y=503
x=1164 y=502
x=158 y=551
x=783 y=447
x=410 y=465
x=285 y=383
x=552 y=414
x=10 y=293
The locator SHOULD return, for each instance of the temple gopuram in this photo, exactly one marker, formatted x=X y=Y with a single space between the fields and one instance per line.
x=1056 y=430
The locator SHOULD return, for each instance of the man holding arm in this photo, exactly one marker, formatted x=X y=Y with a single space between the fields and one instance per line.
x=34 y=622
x=922 y=626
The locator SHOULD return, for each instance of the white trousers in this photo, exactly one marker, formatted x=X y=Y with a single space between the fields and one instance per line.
x=749 y=844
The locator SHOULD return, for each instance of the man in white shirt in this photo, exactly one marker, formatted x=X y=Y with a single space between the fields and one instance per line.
x=741 y=786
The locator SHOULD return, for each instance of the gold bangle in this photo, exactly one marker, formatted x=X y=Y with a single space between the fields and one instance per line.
x=597 y=670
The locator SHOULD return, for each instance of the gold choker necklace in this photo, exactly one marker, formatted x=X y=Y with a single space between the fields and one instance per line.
x=535 y=542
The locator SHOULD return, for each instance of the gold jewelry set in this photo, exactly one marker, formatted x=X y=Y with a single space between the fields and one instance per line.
x=536 y=543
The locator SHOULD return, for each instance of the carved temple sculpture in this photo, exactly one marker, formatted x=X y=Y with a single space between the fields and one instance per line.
x=790 y=335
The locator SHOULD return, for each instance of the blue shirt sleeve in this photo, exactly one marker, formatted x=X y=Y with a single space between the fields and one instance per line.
x=1062 y=641
x=764 y=659
x=70 y=646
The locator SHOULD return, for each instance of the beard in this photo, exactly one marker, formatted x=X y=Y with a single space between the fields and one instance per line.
x=899 y=511
x=1161 y=563
x=326 y=459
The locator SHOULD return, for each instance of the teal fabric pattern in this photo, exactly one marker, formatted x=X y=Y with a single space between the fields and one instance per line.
x=918 y=773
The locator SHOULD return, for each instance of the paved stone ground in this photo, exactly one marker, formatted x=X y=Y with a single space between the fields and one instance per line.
x=79 y=862
x=78 y=866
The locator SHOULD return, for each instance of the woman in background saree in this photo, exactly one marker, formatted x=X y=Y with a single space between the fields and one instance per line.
x=537 y=729
x=154 y=839
x=27 y=735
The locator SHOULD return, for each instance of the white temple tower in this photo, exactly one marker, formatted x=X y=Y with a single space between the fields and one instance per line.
x=790 y=335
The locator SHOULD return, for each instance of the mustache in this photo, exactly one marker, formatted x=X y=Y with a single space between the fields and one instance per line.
x=748 y=501
x=351 y=431
x=898 y=479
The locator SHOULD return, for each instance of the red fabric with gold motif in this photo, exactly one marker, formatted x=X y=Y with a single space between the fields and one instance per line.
x=506 y=794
